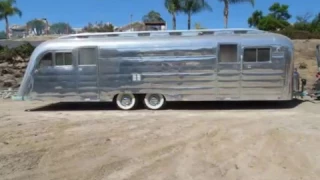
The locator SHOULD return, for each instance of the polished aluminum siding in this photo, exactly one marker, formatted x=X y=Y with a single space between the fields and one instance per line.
x=181 y=68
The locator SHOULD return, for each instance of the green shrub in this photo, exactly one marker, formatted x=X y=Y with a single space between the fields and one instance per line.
x=24 y=51
x=298 y=34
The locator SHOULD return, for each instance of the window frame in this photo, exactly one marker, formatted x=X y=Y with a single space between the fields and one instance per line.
x=256 y=51
x=39 y=59
x=63 y=52
x=218 y=52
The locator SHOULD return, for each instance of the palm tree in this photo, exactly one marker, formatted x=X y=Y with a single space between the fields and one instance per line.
x=8 y=9
x=226 y=8
x=173 y=7
x=191 y=7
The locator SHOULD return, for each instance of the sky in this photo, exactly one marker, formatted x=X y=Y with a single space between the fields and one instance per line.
x=78 y=13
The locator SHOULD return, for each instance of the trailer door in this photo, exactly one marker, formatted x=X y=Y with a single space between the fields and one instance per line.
x=262 y=74
x=87 y=76
x=65 y=73
x=43 y=77
x=228 y=71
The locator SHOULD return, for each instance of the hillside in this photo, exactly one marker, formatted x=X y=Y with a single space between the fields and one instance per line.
x=11 y=72
x=305 y=55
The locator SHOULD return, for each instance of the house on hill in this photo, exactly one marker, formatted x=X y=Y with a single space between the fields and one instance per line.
x=18 y=31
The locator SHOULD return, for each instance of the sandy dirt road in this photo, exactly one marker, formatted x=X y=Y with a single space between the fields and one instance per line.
x=196 y=141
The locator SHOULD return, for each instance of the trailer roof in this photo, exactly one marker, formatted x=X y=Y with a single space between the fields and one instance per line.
x=150 y=37
x=166 y=33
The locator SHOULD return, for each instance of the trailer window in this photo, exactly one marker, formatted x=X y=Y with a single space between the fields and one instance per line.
x=263 y=54
x=250 y=55
x=256 y=55
x=87 y=56
x=63 y=59
x=68 y=58
x=46 y=60
x=228 y=53
x=59 y=59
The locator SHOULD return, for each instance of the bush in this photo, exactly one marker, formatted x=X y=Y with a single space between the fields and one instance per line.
x=303 y=65
x=24 y=51
x=298 y=34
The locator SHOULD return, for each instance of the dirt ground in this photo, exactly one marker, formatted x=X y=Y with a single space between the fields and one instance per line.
x=220 y=141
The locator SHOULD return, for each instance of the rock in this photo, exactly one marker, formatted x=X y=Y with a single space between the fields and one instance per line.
x=4 y=65
x=18 y=59
x=6 y=71
x=9 y=83
x=8 y=76
x=8 y=80
x=17 y=75
x=21 y=65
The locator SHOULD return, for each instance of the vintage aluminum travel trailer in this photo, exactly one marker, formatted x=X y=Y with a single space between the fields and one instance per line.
x=160 y=66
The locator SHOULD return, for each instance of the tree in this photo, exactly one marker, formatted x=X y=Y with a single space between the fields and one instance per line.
x=255 y=18
x=304 y=23
x=269 y=23
x=3 y=35
x=99 y=27
x=276 y=19
x=37 y=26
x=173 y=7
x=315 y=24
x=8 y=9
x=279 y=12
x=61 y=28
x=152 y=16
x=191 y=7
x=226 y=8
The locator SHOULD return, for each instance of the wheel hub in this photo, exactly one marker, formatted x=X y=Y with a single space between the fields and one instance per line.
x=126 y=100
x=154 y=100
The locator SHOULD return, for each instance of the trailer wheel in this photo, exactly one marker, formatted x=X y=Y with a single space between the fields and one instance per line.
x=126 y=101
x=154 y=101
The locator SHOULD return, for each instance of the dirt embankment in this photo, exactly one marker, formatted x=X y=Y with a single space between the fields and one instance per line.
x=11 y=72
x=305 y=55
